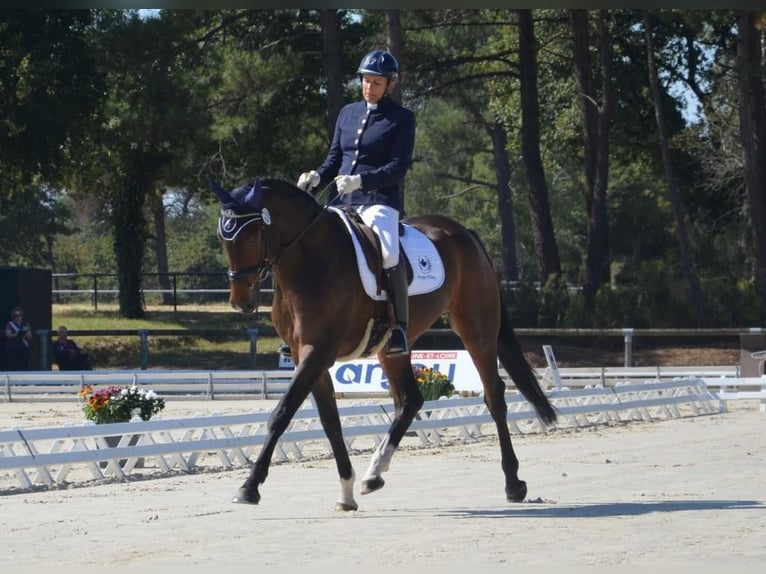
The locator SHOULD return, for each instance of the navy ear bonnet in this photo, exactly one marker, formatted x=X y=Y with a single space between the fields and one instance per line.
x=239 y=208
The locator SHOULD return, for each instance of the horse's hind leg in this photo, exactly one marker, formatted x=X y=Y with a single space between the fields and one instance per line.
x=407 y=402
x=324 y=397
x=484 y=355
x=494 y=398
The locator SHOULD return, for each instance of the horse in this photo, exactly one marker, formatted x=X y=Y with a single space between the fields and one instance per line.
x=322 y=309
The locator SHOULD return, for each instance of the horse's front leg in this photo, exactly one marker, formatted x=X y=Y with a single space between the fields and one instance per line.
x=407 y=400
x=324 y=397
x=306 y=373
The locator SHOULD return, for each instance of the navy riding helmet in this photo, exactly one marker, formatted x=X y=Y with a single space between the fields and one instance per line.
x=379 y=63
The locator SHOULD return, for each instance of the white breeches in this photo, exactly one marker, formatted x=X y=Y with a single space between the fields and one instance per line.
x=384 y=221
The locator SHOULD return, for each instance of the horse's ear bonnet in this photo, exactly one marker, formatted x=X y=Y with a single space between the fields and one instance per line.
x=238 y=208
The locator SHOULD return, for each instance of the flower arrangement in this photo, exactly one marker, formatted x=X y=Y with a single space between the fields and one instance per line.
x=433 y=384
x=115 y=404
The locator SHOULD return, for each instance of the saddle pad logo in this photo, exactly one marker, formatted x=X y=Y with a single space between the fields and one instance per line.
x=424 y=263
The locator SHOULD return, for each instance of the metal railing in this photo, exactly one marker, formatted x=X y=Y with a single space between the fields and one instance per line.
x=46 y=336
x=439 y=335
x=95 y=286
x=98 y=286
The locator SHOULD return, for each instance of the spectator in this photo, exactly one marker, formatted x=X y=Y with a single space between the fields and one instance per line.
x=68 y=355
x=19 y=335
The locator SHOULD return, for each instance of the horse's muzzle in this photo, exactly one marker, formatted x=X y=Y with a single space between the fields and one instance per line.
x=243 y=296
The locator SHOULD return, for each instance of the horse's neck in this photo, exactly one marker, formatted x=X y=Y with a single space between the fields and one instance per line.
x=314 y=251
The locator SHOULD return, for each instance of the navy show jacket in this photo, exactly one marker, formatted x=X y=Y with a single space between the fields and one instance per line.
x=378 y=145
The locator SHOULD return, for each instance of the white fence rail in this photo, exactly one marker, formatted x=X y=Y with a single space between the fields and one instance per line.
x=58 y=385
x=50 y=456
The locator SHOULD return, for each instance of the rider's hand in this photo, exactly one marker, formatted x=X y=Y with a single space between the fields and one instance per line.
x=308 y=180
x=348 y=183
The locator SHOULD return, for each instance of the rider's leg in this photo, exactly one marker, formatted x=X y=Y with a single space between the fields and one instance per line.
x=384 y=220
x=396 y=287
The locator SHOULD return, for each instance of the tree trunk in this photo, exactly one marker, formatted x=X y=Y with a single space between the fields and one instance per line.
x=752 y=129
x=161 y=246
x=581 y=40
x=394 y=44
x=546 y=251
x=684 y=244
x=332 y=58
x=130 y=235
x=596 y=126
x=502 y=165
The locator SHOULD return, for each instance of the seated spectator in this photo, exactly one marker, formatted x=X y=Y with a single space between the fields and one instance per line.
x=19 y=335
x=68 y=355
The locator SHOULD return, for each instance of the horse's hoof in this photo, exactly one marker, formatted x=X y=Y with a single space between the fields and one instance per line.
x=247 y=497
x=346 y=506
x=372 y=484
x=517 y=495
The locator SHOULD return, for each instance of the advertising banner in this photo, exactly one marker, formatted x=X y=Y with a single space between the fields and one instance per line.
x=366 y=375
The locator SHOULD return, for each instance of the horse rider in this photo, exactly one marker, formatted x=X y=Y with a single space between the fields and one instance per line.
x=370 y=153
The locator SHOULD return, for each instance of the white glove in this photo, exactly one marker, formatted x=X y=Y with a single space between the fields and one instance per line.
x=308 y=180
x=348 y=183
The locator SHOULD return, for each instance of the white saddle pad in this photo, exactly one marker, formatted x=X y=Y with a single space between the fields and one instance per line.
x=427 y=265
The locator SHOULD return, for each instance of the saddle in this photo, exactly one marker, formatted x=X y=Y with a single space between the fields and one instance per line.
x=370 y=244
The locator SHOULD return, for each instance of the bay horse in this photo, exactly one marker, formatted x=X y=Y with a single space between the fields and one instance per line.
x=323 y=311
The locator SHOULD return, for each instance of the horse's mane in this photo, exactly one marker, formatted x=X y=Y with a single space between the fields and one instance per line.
x=277 y=184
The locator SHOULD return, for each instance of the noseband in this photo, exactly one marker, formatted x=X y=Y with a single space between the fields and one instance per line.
x=231 y=223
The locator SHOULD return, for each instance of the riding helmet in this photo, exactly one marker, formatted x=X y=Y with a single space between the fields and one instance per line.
x=379 y=63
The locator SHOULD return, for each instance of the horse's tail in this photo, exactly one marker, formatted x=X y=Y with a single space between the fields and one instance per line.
x=513 y=360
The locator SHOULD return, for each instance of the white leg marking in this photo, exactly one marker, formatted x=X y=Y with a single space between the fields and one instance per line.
x=380 y=459
x=346 y=497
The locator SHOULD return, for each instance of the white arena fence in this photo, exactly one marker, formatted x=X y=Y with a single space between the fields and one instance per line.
x=254 y=384
x=58 y=385
x=47 y=457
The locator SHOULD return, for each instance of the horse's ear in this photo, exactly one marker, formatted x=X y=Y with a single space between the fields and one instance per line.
x=222 y=195
x=253 y=197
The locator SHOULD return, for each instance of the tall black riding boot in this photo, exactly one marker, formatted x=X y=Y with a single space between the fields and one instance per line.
x=396 y=287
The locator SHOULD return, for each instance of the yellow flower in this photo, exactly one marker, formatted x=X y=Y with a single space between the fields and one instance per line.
x=433 y=384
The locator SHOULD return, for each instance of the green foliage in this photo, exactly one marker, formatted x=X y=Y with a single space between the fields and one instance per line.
x=612 y=308
x=243 y=92
x=523 y=303
x=554 y=300
x=30 y=219
x=433 y=384
x=49 y=86
x=732 y=302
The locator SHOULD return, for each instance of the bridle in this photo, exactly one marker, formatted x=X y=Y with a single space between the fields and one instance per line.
x=239 y=222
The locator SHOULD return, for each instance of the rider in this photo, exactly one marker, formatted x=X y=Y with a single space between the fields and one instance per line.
x=370 y=154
